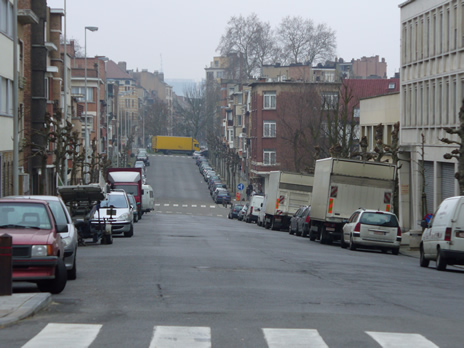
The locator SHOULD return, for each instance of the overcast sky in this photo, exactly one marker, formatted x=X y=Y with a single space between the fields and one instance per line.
x=180 y=37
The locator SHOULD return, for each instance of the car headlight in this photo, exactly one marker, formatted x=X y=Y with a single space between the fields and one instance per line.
x=125 y=216
x=41 y=250
x=66 y=241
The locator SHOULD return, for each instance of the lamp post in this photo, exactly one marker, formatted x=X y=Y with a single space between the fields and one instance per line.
x=86 y=151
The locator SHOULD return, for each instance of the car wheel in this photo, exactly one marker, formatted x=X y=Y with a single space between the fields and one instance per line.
x=273 y=225
x=56 y=285
x=72 y=273
x=395 y=251
x=290 y=230
x=352 y=246
x=423 y=261
x=130 y=233
x=298 y=232
x=342 y=242
x=107 y=239
x=136 y=218
x=441 y=262
x=323 y=236
x=229 y=216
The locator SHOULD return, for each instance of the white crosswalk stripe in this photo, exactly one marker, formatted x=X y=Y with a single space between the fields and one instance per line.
x=401 y=340
x=282 y=338
x=181 y=336
x=61 y=335
x=83 y=335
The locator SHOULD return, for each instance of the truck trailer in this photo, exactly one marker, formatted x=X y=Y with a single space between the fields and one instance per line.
x=340 y=187
x=167 y=144
x=285 y=194
x=128 y=179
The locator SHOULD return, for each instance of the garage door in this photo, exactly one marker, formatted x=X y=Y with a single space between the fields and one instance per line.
x=448 y=181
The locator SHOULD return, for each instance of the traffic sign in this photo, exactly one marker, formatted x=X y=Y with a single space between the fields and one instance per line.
x=240 y=187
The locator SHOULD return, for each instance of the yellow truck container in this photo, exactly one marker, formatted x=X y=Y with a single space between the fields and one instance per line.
x=167 y=145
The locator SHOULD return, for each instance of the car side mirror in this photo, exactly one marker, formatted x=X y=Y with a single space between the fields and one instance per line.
x=62 y=228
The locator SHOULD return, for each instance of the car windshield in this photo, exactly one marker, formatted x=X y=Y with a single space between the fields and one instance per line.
x=238 y=207
x=132 y=189
x=117 y=201
x=379 y=219
x=58 y=212
x=24 y=215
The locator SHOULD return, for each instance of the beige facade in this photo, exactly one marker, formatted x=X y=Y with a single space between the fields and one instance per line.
x=383 y=110
x=432 y=75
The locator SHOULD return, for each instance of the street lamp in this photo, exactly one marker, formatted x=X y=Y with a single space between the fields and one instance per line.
x=85 y=99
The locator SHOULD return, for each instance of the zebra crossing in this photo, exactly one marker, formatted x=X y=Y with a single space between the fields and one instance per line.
x=174 y=205
x=83 y=335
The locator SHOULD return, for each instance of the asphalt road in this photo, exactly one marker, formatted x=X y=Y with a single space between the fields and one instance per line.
x=190 y=277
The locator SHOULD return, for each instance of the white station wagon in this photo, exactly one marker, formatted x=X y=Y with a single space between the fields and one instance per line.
x=372 y=229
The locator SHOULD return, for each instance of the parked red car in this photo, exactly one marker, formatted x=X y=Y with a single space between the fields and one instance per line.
x=37 y=248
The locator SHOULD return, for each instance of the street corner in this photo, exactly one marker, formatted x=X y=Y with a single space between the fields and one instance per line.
x=16 y=307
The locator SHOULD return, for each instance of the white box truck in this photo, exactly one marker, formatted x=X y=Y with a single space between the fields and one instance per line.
x=285 y=193
x=340 y=187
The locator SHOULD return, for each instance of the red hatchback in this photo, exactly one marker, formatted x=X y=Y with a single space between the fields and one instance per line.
x=37 y=247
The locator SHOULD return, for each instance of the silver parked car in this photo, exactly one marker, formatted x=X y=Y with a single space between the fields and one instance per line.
x=116 y=210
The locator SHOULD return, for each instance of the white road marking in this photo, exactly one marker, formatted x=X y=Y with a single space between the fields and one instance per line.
x=401 y=340
x=157 y=204
x=194 y=205
x=184 y=205
x=212 y=206
x=166 y=205
x=175 y=205
x=180 y=337
x=283 y=338
x=64 y=335
x=202 y=206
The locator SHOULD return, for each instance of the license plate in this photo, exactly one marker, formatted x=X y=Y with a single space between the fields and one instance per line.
x=379 y=233
x=331 y=229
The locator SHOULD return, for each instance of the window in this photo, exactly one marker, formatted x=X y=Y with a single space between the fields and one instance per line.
x=329 y=101
x=269 y=129
x=269 y=101
x=269 y=157
x=219 y=74
x=239 y=120
x=6 y=17
x=6 y=96
x=81 y=91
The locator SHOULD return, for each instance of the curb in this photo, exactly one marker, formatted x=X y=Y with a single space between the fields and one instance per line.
x=23 y=306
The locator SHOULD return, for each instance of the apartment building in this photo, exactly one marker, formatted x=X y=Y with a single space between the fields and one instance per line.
x=432 y=77
x=6 y=93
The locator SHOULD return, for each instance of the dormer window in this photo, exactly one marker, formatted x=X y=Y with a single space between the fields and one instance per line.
x=391 y=85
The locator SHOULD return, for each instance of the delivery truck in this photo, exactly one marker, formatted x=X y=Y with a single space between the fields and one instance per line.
x=340 y=187
x=167 y=144
x=285 y=194
x=128 y=179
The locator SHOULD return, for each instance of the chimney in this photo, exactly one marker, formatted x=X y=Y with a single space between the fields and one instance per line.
x=123 y=66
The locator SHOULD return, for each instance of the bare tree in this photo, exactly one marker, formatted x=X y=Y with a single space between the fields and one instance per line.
x=304 y=42
x=294 y=34
x=457 y=153
x=300 y=120
x=321 y=44
x=193 y=112
x=265 y=46
x=156 y=118
x=242 y=36
x=340 y=126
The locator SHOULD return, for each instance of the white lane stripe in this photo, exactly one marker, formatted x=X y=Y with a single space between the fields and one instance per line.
x=203 y=206
x=184 y=205
x=175 y=205
x=64 y=335
x=212 y=206
x=194 y=205
x=283 y=338
x=401 y=340
x=180 y=337
x=166 y=205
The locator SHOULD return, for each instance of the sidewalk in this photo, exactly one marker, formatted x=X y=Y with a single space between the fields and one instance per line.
x=16 y=307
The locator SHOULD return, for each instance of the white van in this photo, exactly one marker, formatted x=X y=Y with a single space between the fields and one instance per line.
x=148 y=199
x=254 y=208
x=443 y=238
